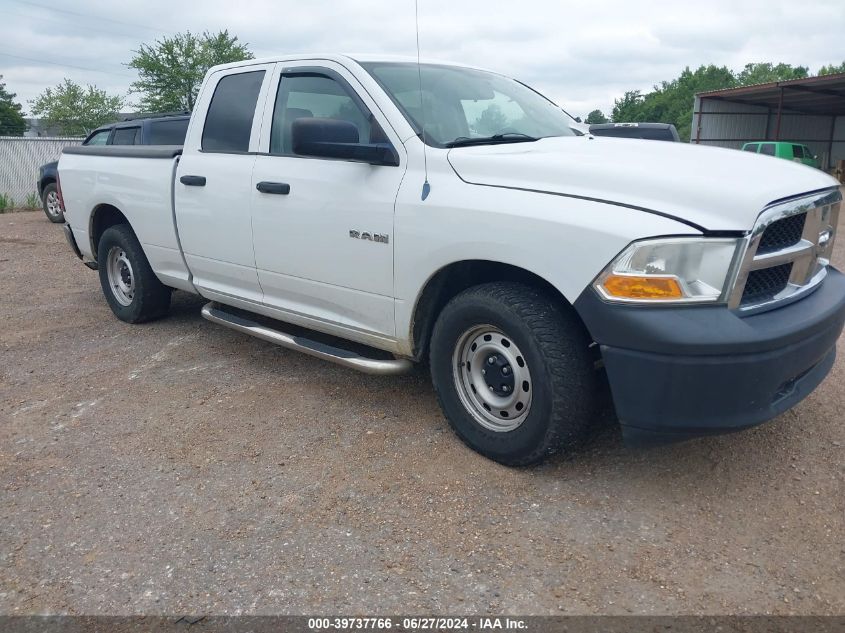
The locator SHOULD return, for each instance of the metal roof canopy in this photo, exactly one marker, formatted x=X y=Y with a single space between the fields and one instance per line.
x=780 y=102
x=823 y=95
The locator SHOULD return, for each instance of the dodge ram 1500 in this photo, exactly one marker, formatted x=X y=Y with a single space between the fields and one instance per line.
x=404 y=213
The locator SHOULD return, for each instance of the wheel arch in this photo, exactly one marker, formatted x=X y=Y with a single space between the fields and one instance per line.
x=43 y=183
x=102 y=217
x=454 y=278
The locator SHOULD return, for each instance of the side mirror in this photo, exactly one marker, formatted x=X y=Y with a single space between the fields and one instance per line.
x=332 y=138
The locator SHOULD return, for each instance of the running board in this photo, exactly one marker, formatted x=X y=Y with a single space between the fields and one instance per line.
x=215 y=313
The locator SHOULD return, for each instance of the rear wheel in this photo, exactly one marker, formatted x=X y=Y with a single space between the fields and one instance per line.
x=51 y=204
x=513 y=373
x=129 y=284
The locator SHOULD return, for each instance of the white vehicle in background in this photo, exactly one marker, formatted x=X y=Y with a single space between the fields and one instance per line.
x=447 y=214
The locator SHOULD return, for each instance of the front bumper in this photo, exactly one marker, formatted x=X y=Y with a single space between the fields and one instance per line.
x=681 y=372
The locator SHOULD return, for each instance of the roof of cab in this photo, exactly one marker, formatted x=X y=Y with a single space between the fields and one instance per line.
x=340 y=59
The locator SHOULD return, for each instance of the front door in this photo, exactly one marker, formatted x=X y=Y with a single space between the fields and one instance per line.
x=323 y=228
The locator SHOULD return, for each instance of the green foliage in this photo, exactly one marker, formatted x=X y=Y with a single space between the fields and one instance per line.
x=832 y=69
x=74 y=110
x=171 y=69
x=11 y=119
x=672 y=101
x=595 y=117
x=767 y=73
x=6 y=202
x=32 y=201
x=628 y=108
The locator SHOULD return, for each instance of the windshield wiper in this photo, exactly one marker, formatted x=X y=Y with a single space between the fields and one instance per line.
x=507 y=137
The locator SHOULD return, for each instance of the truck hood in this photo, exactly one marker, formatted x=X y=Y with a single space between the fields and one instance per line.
x=712 y=188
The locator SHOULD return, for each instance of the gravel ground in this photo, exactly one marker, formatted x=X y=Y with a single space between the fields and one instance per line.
x=179 y=467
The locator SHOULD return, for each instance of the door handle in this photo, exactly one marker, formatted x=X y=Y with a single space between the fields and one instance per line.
x=281 y=188
x=193 y=181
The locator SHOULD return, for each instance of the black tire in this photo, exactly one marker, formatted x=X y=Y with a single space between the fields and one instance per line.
x=565 y=396
x=50 y=204
x=149 y=299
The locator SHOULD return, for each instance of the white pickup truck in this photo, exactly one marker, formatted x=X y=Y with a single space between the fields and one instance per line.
x=378 y=213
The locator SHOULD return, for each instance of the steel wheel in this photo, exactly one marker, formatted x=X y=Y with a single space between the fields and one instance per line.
x=492 y=378
x=52 y=204
x=121 y=279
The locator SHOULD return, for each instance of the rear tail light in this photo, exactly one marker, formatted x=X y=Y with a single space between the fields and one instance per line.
x=59 y=192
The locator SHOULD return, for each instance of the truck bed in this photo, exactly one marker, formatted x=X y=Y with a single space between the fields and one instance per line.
x=137 y=180
x=126 y=151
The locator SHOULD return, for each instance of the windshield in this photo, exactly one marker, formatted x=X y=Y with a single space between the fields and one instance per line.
x=466 y=106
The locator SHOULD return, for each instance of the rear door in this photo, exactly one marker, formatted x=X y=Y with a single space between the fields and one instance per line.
x=213 y=183
x=128 y=135
x=324 y=249
x=166 y=131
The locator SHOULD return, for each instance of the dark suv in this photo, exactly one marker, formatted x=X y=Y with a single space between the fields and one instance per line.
x=159 y=130
x=649 y=131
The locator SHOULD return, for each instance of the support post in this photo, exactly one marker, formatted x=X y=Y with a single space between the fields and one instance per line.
x=698 y=123
x=830 y=164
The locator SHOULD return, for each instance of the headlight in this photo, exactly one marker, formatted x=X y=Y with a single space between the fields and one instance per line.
x=682 y=270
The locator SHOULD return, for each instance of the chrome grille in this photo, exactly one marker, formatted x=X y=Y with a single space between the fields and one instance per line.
x=787 y=253
x=766 y=283
x=782 y=233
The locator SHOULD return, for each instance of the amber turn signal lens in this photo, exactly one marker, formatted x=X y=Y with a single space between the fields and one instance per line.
x=635 y=287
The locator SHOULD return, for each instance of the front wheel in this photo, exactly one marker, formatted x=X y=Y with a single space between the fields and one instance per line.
x=51 y=204
x=514 y=373
x=129 y=284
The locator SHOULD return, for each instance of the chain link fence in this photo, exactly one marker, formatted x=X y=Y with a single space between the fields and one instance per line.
x=20 y=159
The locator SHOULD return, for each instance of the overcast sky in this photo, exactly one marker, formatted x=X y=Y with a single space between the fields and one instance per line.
x=581 y=54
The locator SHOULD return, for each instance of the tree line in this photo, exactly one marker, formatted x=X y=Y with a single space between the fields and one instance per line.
x=672 y=101
x=170 y=71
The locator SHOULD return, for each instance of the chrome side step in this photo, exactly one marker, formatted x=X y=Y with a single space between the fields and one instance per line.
x=216 y=313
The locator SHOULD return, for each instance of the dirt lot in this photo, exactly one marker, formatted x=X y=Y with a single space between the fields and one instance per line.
x=181 y=467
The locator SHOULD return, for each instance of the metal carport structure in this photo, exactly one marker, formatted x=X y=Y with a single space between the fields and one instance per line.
x=809 y=111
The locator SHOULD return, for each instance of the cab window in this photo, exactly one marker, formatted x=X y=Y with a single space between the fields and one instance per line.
x=228 y=122
x=98 y=138
x=768 y=149
x=313 y=96
x=752 y=147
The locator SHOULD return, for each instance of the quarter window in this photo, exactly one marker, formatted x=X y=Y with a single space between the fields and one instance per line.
x=307 y=96
x=228 y=122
